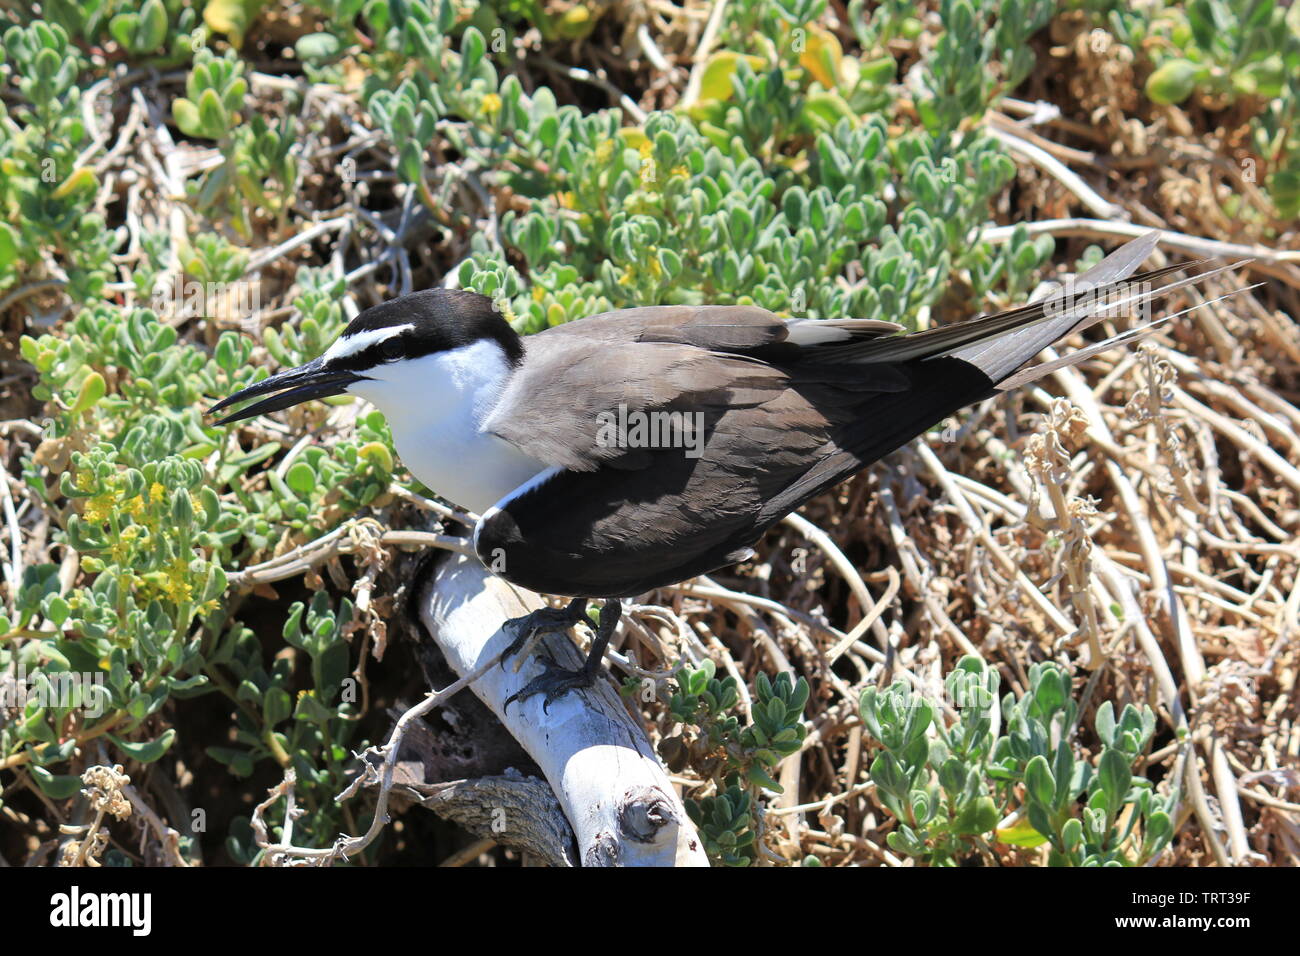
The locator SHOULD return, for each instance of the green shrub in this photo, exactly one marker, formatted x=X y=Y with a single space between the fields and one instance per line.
x=948 y=786
x=738 y=760
x=806 y=177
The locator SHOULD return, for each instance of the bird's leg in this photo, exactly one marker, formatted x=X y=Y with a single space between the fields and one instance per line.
x=556 y=681
x=528 y=630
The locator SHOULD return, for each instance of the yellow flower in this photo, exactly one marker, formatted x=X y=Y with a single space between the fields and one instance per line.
x=177 y=585
x=98 y=509
x=157 y=492
x=84 y=481
x=134 y=506
x=604 y=151
x=491 y=104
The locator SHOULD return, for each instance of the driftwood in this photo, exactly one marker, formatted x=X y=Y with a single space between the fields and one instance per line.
x=512 y=810
x=503 y=806
x=611 y=786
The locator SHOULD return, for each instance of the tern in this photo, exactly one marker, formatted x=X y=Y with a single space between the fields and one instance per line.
x=636 y=449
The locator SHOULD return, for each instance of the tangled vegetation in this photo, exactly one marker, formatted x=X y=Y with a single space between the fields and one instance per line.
x=1059 y=629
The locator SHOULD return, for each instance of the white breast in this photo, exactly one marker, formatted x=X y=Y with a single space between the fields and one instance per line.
x=435 y=406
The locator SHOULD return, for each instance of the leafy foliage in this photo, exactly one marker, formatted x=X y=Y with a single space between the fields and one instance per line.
x=948 y=786
x=738 y=758
x=158 y=504
x=829 y=164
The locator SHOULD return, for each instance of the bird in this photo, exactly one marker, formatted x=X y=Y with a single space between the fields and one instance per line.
x=639 y=448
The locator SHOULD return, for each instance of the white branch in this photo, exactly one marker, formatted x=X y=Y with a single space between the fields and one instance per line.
x=595 y=755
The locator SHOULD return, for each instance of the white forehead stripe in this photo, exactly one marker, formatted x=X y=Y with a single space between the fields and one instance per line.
x=352 y=344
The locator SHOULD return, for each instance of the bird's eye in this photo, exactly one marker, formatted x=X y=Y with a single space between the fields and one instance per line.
x=392 y=348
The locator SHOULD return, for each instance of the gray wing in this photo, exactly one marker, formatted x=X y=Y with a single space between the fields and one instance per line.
x=743 y=329
x=559 y=409
x=579 y=378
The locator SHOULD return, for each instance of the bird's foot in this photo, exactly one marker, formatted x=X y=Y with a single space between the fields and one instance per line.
x=547 y=620
x=555 y=681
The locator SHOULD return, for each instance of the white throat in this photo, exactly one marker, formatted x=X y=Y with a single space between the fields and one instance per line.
x=435 y=406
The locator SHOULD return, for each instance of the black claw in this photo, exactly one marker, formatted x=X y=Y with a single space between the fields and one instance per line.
x=546 y=620
x=555 y=681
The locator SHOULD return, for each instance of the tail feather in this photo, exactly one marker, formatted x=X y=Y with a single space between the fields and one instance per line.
x=1000 y=344
x=958 y=365
x=1032 y=374
x=1102 y=279
x=1003 y=352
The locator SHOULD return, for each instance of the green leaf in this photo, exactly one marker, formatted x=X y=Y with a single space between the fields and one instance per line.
x=301 y=478
x=8 y=249
x=310 y=709
x=759 y=777
x=906 y=840
x=55 y=786
x=1106 y=723
x=715 y=83
x=880 y=71
x=153 y=27
x=888 y=775
x=187 y=119
x=182 y=509
x=232 y=17
x=276 y=706
x=1174 y=81
x=978 y=816
x=1114 y=777
x=194 y=686
x=145 y=751
x=331 y=668
x=213 y=119
x=122 y=29
x=1022 y=833
x=1039 y=784
x=1159 y=829
x=316 y=47
x=1071 y=834
x=1039 y=819
x=239 y=761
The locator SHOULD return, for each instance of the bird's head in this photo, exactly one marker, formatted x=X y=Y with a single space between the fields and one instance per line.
x=385 y=347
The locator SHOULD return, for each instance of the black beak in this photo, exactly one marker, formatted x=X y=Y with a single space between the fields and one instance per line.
x=296 y=385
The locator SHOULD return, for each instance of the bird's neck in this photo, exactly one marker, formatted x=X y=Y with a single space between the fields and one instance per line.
x=436 y=406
